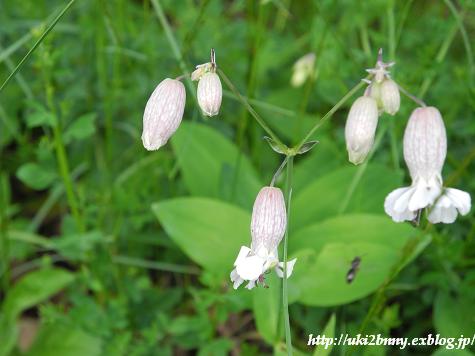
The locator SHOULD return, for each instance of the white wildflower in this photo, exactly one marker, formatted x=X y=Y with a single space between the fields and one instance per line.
x=425 y=149
x=269 y=221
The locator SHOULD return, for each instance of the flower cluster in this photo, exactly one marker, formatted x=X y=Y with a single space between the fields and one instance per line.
x=425 y=149
x=165 y=107
x=268 y=225
x=381 y=95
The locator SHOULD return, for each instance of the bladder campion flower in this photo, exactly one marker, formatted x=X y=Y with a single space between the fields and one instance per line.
x=268 y=224
x=360 y=128
x=425 y=148
x=210 y=94
x=210 y=91
x=163 y=113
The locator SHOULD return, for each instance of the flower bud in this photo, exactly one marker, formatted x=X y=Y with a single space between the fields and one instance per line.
x=163 y=113
x=303 y=69
x=210 y=94
x=389 y=96
x=269 y=219
x=360 y=128
x=425 y=143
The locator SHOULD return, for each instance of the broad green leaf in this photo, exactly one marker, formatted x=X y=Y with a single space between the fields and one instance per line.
x=327 y=195
x=40 y=117
x=328 y=332
x=352 y=228
x=80 y=128
x=35 y=176
x=321 y=277
x=210 y=232
x=442 y=351
x=210 y=162
x=324 y=158
x=216 y=347
x=454 y=315
x=266 y=308
x=325 y=251
x=65 y=340
x=32 y=289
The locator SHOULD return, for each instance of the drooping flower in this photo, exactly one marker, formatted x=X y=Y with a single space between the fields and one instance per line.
x=425 y=149
x=163 y=113
x=360 y=128
x=268 y=224
x=303 y=69
x=210 y=93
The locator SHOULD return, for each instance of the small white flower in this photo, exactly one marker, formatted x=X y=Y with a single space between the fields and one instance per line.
x=425 y=148
x=303 y=69
x=360 y=128
x=269 y=221
x=210 y=93
x=163 y=113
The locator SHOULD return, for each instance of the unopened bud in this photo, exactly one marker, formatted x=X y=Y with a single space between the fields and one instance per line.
x=163 y=113
x=210 y=94
x=360 y=128
x=303 y=69
x=390 y=98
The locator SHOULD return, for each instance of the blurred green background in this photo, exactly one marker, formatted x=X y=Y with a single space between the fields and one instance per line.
x=107 y=249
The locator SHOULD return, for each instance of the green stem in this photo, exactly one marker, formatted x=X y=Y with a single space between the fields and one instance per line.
x=37 y=43
x=285 y=299
x=330 y=113
x=174 y=46
x=465 y=38
x=62 y=158
x=360 y=172
x=4 y=240
x=249 y=108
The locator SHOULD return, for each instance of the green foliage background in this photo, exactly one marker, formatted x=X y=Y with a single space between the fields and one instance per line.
x=107 y=249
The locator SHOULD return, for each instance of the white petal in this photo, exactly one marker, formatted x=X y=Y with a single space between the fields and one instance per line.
x=279 y=269
x=460 y=199
x=250 y=268
x=425 y=194
x=396 y=204
x=237 y=281
x=446 y=207
x=251 y=284
x=243 y=253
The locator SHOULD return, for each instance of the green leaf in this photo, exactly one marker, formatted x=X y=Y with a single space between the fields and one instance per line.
x=81 y=128
x=275 y=146
x=35 y=176
x=32 y=289
x=326 y=196
x=454 y=315
x=266 y=304
x=65 y=340
x=328 y=332
x=205 y=158
x=307 y=146
x=325 y=158
x=216 y=347
x=210 y=232
x=40 y=117
x=325 y=251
